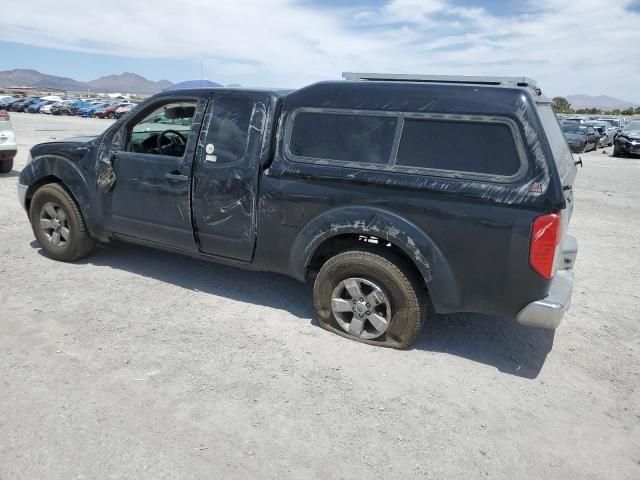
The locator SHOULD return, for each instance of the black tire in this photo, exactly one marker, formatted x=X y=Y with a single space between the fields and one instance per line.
x=111 y=115
x=616 y=151
x=79 y=243
x=407 y=295
x=6 y=165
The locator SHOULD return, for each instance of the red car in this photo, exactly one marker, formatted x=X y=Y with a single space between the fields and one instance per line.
x=110 y=112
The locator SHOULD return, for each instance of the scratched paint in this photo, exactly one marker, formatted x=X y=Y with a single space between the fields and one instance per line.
x=285 y=209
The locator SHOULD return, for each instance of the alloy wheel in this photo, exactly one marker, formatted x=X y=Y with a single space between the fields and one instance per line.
x=361 y=308
x=54 y=224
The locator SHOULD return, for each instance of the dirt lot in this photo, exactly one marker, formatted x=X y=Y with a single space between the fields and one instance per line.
x=141 y=364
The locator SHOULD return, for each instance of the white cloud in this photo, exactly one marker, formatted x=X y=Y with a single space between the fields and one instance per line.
x=591 y=48
x=413 y=10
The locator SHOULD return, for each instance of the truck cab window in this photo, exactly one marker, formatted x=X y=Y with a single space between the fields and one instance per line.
x=164 y=131
x=229 y=128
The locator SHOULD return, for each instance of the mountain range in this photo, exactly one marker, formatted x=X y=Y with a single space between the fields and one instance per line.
x=132 y=83
x=603 y=102
x=124 y=83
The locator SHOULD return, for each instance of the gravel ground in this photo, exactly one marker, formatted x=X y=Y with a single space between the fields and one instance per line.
x=136 y=363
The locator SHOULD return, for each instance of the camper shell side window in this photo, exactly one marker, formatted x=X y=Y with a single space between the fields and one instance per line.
x=460 y=146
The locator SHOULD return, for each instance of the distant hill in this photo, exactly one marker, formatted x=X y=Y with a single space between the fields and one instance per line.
x=33 y=78
x=125 y=83
x=602 y=102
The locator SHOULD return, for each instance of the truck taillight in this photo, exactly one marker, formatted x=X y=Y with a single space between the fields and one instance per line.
x=545 y=238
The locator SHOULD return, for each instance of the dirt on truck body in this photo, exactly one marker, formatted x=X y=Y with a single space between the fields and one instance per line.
x=397 y=196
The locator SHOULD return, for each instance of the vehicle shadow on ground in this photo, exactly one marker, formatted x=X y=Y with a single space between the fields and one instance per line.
x=503 y=344
x=12 y=173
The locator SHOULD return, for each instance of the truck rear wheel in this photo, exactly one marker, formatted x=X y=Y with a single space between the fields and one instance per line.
x=372 y=297
x=58 y=224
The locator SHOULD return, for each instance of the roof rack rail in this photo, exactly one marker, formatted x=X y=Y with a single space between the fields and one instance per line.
x=401 y=77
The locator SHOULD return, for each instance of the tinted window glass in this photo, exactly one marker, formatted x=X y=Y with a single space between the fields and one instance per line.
x=477 y=147
x=348 y=138
x=229 y=128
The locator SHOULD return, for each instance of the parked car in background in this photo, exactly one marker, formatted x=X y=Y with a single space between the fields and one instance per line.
x=35 y=107
x=101 y=111
x=110 y=111
x=57 y=107
x=24 y=104
x=80 y=104
x=350 y=185
x=8 y=146
x=628 y=140
x=580 y=137
x=63 y=108
x=615 y=123
x=77 y=105
x=121 y=111
x=606 y=135
x=90 y=109
x=46 y=109
x=6 y=103
x=30 y=103
x=576 y=119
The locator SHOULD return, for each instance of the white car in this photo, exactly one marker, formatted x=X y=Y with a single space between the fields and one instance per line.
x=47 y=109
x=8 y=147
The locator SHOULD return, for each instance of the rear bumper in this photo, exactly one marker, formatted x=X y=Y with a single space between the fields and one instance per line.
x=548 y=312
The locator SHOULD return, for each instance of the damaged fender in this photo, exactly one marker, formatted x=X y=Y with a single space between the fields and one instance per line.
x=402 y=233
x=64 y=171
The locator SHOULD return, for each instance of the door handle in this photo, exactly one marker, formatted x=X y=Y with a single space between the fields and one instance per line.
x=176 y=177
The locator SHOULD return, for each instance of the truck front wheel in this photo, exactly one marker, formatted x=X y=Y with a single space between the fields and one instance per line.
x=372 y=297
x=58 y=224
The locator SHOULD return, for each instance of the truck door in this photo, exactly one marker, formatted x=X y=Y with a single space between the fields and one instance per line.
x=151 y=157
x=225 y=175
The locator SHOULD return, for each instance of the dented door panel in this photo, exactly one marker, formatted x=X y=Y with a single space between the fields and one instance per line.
x=226 y=170
x=149 y=196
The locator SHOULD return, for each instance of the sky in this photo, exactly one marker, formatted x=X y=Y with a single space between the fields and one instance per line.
x=569 y=46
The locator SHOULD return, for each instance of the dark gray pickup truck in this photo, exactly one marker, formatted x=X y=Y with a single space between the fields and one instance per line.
x=399 y=196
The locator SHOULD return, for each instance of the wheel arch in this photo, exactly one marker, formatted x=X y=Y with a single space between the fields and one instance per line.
x=407 y=239
x=57 y=169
